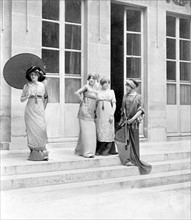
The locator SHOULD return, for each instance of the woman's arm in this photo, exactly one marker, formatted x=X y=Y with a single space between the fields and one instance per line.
x=80 y=92
x=113 y=107
x=131 y=120
x=25 y=94
x=45 y=101
x=111 y=117
x=140 y=111
x=113 y=100
x=45 y=97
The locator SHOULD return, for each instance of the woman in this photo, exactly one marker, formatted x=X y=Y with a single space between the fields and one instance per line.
x=35 y=92
x=86 y=145
x=106 y=105
x=127 y=137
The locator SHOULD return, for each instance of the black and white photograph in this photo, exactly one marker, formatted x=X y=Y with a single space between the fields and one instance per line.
x=95 y=109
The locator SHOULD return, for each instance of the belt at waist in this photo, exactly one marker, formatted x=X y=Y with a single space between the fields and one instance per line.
x=36 y=97
x=33 y=96
x=107 y=100
x=103 y=100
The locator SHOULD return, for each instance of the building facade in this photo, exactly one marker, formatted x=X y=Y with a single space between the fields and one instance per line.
x=143 y=39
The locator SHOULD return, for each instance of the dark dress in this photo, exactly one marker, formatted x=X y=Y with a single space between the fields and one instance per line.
x=127 y=136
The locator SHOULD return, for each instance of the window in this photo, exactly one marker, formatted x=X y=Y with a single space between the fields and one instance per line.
x=62 y=47
x=171 y=60
x=178 y=47
x=73 y=52
x=133 y=51
x=50 y=47
x=185 y=61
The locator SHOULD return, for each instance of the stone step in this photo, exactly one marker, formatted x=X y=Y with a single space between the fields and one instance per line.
x=48 y=166
x=172 y=186
x=82 y=163
x=98 y=186
x=166 y=156
x=90 y=174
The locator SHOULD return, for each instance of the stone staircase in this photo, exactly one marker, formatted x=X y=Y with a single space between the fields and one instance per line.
x=168 y=168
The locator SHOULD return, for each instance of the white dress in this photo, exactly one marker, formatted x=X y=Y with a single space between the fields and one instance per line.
x=105 y=129
x=35 y=120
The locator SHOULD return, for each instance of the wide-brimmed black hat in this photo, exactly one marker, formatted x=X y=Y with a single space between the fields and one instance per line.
x=41 y=73
x=16 y=67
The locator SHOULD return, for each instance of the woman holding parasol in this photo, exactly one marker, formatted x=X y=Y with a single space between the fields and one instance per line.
x=26 y=71
x=35 y=92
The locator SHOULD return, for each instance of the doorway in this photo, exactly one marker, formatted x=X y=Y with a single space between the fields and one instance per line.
x=126 y=51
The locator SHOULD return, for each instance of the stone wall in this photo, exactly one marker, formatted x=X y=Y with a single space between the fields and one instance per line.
x=98 y=42
x=5 y=89
x=156 y=72
x=26 y=38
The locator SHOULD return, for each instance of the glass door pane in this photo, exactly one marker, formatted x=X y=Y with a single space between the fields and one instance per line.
x=133 y=68
x=134 y=44
x=73 y=46
x=133 y=20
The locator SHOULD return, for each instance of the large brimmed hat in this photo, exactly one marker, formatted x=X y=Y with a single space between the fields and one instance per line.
x=16 y=67
x=41 y=73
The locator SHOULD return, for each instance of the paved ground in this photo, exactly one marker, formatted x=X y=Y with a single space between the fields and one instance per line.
x=115 y=204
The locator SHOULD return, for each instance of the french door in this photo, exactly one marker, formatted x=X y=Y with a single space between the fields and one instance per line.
x=178 y=75
x=133 y=49
x=62 y=52
x=126 y=51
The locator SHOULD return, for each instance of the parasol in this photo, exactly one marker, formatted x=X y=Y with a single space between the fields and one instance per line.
x=15 y=69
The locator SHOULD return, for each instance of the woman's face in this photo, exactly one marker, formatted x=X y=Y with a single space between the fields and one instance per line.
x=34 y=76
x=105 y=86
x=92 y=81
x=128 y=89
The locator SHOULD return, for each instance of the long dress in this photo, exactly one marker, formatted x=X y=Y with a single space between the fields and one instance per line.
x=105 y=128
x=35 y=121
x=86 y=145
x=127 y=137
